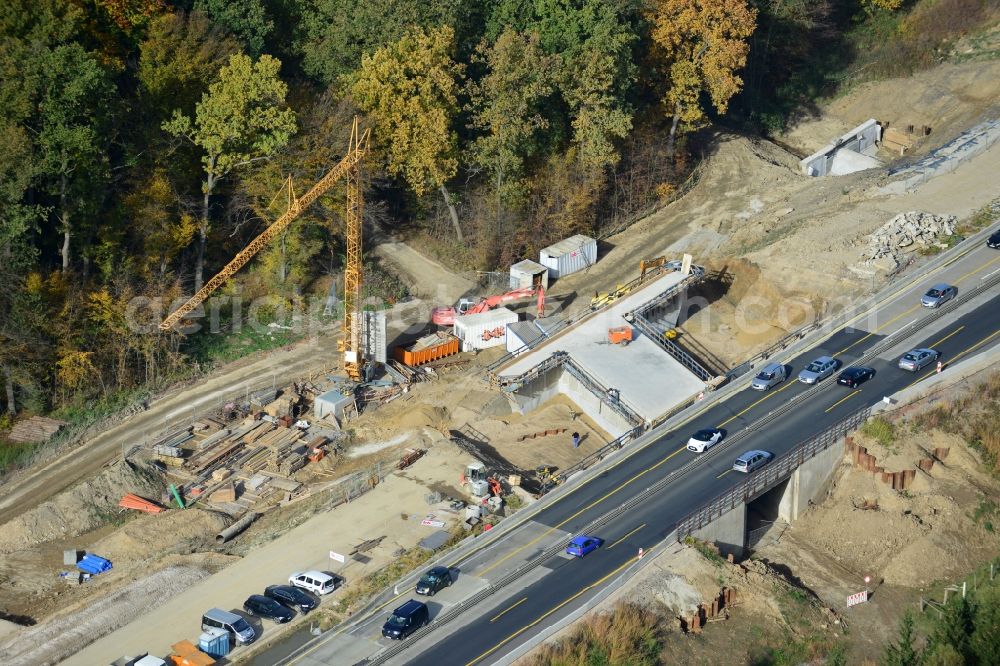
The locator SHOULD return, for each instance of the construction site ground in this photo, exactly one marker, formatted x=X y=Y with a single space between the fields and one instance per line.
x=791 y=593
x=750 y=213
x=660 y=385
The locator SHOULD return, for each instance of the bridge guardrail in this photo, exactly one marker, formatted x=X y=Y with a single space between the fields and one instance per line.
x=770 y=475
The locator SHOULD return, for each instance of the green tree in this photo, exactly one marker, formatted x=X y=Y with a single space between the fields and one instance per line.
x=506 y=107
x=410 y=89
x=163 y=230
x=955 y=627
x=594 y=39
x=247 y=19
x=241 y=119
x=71 y=132
x=985 y=639
x=902 y=652
x=339 y=32
x=181 y=55
x=700 y=46
x=600 y=116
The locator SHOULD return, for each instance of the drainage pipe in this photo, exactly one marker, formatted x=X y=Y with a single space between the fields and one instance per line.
x=237 y=527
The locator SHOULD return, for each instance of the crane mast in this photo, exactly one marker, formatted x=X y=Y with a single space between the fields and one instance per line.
x=349 y=167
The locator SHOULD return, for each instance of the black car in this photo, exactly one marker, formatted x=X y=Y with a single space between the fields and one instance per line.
x=406 y=619
x=436 y=579
x=994 y=241
x=293 y=597
x=855 y=377
x=261 y=606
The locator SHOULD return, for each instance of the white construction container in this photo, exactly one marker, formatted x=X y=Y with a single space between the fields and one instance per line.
x=484 y=330
x=528 y=274
x=569 y=256
x=521 y=334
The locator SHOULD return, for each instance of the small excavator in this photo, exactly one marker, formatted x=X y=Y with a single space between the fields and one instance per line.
x=445 y=316
x=479 y=481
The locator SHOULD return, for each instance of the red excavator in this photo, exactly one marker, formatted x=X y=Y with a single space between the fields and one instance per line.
x=446 y=316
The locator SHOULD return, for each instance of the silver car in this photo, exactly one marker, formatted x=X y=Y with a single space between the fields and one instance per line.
x=818 y=370
x=771 y=375
x=938 y=295
x=752 y=460
x=918 y=358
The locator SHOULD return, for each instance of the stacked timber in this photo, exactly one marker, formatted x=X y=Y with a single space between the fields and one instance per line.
x=35 y=430
x=285 y=461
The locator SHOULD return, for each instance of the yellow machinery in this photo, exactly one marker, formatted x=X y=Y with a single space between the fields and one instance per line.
x=650 y=264
x=349 y=167
x=603 y=298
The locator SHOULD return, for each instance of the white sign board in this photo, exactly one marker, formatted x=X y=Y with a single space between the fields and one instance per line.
x=432 y=523
x=859 y=598
x=337 y=557
x=686 y=264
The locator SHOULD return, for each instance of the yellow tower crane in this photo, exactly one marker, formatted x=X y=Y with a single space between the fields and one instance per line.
x=349 y=167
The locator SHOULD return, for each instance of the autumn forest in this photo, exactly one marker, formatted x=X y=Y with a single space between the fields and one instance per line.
x=145 y=142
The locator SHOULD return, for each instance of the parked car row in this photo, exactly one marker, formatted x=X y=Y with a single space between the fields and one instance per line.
x=279 y=603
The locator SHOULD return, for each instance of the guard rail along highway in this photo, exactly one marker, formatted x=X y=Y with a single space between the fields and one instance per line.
x=771 y=474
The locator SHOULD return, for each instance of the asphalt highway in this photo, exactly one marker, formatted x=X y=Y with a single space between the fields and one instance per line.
x=568 y=582
x=558 y=586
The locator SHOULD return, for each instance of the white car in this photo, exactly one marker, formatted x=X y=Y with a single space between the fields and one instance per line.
x=703 y=440
x=314 y=581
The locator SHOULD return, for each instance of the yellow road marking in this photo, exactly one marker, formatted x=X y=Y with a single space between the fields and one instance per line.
x=892 y=297
x=583 y=510
x=935 y=344
x=724 y=473
x=849 y=395
x=915 y=307
x=523 y=629
x=497 y=617
x=956 y=357
x=790 y=384
x=626 y=536
x=979 y=268
x=856 y=342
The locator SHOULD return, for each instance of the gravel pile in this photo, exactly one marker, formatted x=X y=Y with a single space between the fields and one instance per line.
x=902 y=234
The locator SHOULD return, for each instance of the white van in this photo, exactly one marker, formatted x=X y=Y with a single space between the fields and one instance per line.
x=314 y=581
x=237 y=627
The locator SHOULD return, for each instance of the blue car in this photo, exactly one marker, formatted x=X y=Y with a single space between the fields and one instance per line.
x=582 y=545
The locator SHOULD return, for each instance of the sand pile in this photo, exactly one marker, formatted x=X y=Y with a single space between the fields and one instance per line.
x=176 y=529
x=912 y=538
x=82 y=508
x=421 y=416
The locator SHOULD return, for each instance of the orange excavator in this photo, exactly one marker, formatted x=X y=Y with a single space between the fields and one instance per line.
x=445 y=316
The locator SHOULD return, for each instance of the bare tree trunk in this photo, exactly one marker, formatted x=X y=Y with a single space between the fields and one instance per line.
x=64 y=222
x=673 y=132
x=9 y=384
x=453 y=213
x=199 y=261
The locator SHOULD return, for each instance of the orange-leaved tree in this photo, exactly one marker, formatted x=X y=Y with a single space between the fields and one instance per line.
x=700 y=45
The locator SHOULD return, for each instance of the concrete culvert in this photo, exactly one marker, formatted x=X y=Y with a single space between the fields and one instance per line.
x=237 y=527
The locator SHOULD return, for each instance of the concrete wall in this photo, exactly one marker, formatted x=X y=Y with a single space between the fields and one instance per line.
x=810 y=481
x=861 y=140
x=611 y=421
x=530 y=396
x=728 y=532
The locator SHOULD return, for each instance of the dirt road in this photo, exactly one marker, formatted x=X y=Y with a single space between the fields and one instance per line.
x=424 y=277
x=34 y=486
